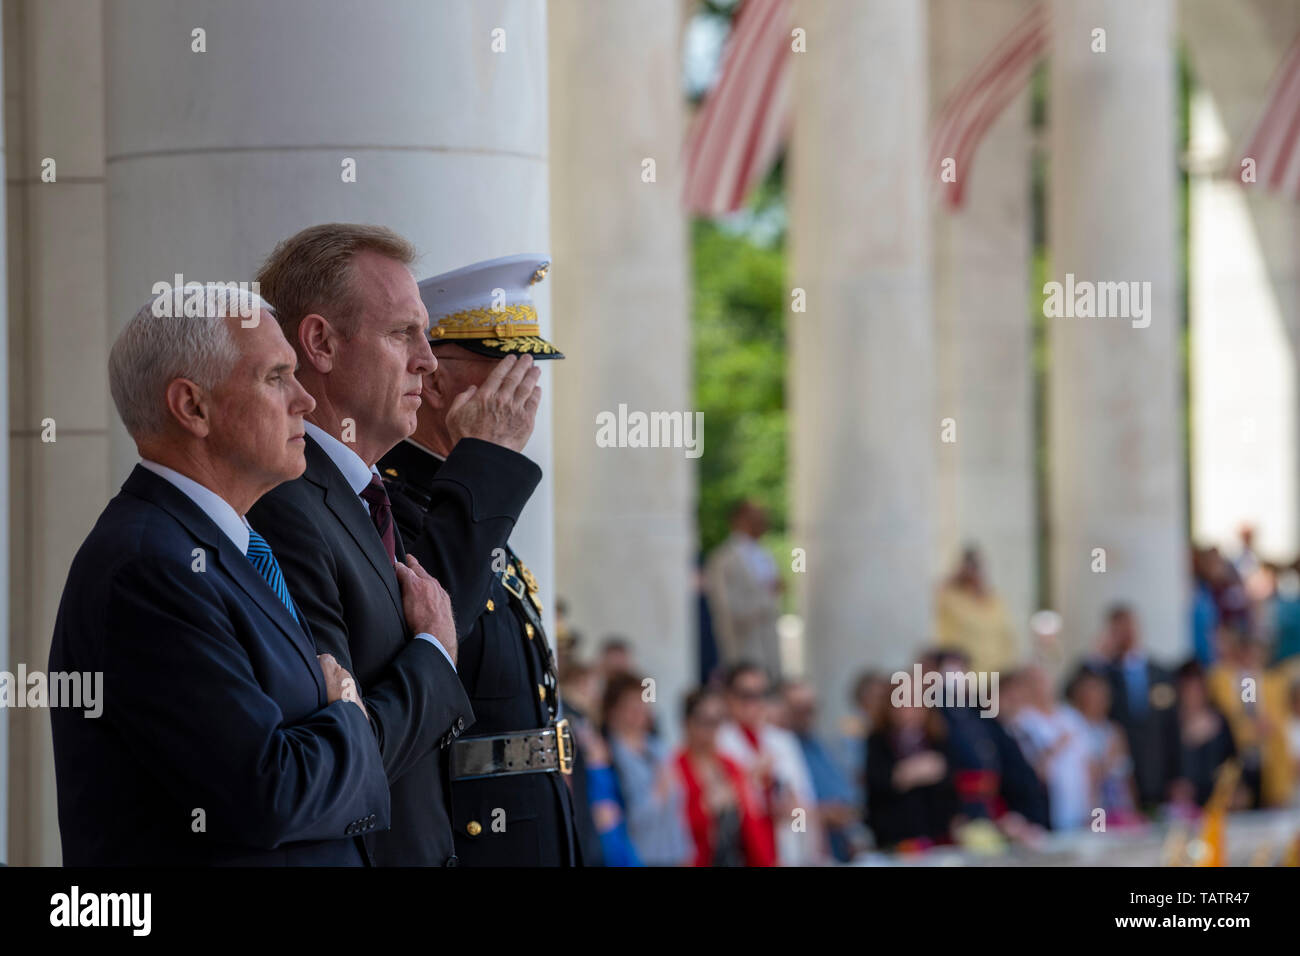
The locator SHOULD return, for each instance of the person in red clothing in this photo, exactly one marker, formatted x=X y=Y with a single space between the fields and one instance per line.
x=724 y=819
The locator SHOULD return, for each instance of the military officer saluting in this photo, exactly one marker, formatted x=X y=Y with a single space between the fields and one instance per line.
x=457 y=486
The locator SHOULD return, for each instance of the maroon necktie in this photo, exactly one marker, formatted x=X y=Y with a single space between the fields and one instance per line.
x=381 y=513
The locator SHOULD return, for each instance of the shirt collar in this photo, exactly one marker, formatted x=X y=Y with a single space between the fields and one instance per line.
x=355 y=471
x=210 y=503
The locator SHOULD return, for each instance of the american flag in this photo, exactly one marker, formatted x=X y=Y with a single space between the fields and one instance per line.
x=1274 y=144
x=743 y=122
x=979 y=100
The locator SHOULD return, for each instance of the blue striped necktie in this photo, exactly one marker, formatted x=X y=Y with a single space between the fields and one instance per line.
x=259 y=553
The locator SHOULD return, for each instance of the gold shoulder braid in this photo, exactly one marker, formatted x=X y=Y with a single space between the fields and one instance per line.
x=519 y=582
x=530 y=580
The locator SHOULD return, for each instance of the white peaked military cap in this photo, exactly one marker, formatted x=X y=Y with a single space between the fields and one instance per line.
x=488 y=307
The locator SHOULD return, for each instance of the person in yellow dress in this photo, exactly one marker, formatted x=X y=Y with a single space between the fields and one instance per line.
x=972 y=618
x=1253 y=699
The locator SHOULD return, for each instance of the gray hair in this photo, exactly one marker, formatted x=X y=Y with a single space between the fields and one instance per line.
x=175 y=336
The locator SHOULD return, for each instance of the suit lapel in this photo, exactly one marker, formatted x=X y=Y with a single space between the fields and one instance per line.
x=254 y=585
x=347 y=508
x=146 y=485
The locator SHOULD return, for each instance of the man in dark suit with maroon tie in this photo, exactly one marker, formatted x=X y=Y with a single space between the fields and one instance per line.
x=346 y=300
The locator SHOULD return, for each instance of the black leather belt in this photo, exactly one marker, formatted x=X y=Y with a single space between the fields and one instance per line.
x=549 y=750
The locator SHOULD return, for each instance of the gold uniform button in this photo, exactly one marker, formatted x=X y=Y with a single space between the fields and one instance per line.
x=491 y=605
x=541 y=691
x=473 y=828
x=528 y=629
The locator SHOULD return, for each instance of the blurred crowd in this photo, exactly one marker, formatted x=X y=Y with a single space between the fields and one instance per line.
x=1112 y=739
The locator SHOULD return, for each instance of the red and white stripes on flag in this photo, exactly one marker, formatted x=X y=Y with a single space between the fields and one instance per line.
x=979 y=100
x=1274 y=144
x=745 y=118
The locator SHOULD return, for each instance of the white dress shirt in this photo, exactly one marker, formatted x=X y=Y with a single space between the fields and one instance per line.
x=210 y=503
x=357 y=474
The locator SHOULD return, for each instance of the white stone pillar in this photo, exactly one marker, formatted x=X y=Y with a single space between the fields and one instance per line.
x=216 y=156
x=5 y=660
x=624 y=516
x=1244 y=295
x=57 y=361
x=1243 y=284
x=1116 y=449
x=986 y=486
x=863 y=429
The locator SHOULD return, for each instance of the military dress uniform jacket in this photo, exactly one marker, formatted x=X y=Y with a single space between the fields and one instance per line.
x=456 y=517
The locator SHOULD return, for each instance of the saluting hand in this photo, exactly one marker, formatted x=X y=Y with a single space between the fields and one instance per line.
x=426 y=605
x=503 y=409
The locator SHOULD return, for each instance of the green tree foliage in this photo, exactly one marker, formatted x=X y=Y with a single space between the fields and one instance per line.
x=739 y=314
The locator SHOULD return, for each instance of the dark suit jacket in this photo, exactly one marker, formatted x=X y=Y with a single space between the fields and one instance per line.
x=454 y=515
x=1153 y=738
x=344 y=584
x=212 y=700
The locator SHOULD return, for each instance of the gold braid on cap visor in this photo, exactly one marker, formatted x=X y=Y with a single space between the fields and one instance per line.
x=511 y=328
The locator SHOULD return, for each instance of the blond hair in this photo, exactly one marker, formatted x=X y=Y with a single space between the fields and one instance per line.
x=311 y=272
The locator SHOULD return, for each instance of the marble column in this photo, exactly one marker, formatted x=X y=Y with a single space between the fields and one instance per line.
x=59 y=407
x=4 y=495
x=1244 y=296
x=863 y=426
x=986 y=484
x=624 y=516
x=1117 y=486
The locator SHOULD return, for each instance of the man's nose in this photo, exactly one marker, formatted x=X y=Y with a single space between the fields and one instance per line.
x=305 y=403
x=425 y=362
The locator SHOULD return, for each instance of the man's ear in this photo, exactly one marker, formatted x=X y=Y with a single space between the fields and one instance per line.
x=317 y=343
x=190 y=406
